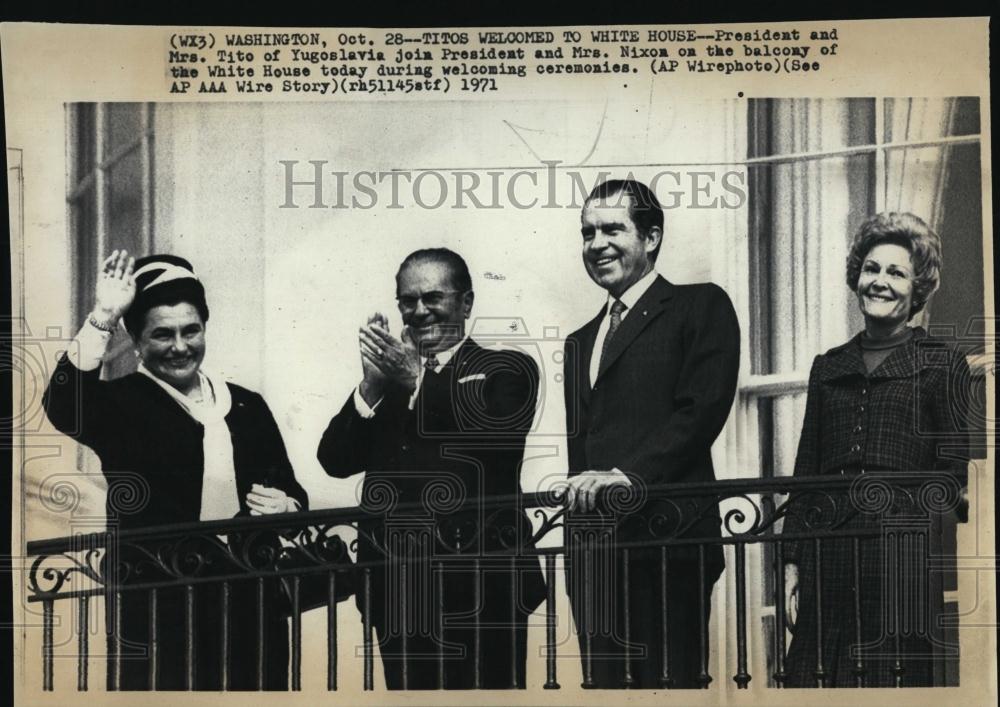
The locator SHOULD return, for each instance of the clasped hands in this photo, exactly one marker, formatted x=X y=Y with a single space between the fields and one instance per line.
x=582 y=490
x=385 y=358
x=265 y=500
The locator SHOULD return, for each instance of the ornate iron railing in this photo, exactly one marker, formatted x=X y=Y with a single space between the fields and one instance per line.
x=295 y=547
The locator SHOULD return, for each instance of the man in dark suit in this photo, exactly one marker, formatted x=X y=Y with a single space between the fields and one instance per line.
x=439 y=422
x=646 y=397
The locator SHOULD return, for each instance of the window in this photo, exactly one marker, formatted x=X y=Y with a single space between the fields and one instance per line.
x=110 y=199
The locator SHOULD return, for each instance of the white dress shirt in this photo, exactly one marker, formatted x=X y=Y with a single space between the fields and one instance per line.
x=629 y=298
x=443 y=357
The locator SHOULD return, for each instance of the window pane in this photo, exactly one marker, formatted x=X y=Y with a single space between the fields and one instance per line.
x=802 y=218
x=779 y=126
x=83 y=225
x=125 y=226
x=85 y=137
x=124 y=126
x=909 y=119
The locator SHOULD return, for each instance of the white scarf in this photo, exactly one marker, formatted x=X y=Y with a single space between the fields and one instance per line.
x=219 y=497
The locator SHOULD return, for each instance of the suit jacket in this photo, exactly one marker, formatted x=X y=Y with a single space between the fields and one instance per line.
x=463 y=440
x=135 y=427
x=896 y=417
x=661 y=397
x=151 y=453
x=905 y=415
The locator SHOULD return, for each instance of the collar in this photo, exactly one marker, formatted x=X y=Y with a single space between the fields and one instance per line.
x=868 y=344
x=633 y=294
x=444 y=357
x=216 y=400
x=904 y=361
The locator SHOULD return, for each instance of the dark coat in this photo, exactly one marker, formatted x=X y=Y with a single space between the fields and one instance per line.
x=899 y=417
x=151 y=453
x=663 y=395
x=660 y=400
x=464 y=439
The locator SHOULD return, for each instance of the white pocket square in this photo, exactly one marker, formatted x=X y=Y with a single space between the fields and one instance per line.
x=473 y=377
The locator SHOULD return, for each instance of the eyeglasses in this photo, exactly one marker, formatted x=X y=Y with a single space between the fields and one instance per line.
x=431 y=300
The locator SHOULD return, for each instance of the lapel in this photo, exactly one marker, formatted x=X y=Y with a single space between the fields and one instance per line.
x=155 y=395
x=451 y=371
x=844 y=361
x=649 y=307
x=586 y=339
x=459 y=363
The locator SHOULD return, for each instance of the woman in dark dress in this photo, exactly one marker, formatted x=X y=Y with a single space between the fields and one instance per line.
x=180 y=445
x=882 y=402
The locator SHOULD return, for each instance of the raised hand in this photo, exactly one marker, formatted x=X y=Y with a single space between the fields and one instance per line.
x=373 y=382
x=115 y=289
x=397 y=360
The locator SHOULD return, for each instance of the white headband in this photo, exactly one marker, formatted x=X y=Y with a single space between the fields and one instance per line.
x=170 y=272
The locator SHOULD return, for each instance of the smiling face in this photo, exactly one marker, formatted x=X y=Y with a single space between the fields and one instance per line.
x=172 y=344
x=615 y=253
x=885 y=285
x=432 y=308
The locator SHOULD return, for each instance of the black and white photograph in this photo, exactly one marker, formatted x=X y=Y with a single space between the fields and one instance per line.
x=327 y=383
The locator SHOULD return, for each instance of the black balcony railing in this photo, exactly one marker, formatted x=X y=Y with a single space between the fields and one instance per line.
x=297 y=548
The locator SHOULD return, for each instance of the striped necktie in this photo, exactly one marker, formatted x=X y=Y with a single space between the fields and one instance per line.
x=617 y=307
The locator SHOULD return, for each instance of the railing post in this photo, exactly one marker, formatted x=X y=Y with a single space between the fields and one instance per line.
x=742 y=677
x=296 y=636
x=666 y=681
x=367 y=628
x=47 y=645
x=627 y=681
x=331 y=631
x=477 y=633
x=513 y=622
x=154 y=639
x=261 y=636
x=859 y=665
x=779 y=613
x=819 y=672
x=703 y=677
x=550 y=622
x=440 y=624
x=224 y=608
x=83 y=612
x=587 y=613
x=190 y=639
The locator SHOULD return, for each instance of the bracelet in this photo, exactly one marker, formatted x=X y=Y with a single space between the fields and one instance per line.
x=107 y=327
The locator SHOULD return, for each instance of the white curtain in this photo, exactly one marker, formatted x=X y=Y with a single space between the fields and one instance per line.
x=813 y=205
x=915 y=177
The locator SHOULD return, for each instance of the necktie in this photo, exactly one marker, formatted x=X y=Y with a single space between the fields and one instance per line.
x=617 y=307
x=431 y=363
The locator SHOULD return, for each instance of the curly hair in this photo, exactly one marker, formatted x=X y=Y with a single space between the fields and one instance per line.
x=910 y=232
